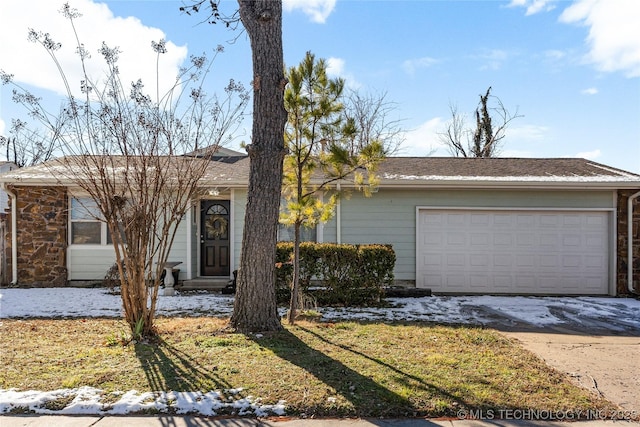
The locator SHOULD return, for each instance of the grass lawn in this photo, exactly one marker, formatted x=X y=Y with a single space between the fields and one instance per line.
x=320 y=369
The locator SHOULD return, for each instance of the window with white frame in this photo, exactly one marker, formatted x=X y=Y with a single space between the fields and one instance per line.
x=86 y=228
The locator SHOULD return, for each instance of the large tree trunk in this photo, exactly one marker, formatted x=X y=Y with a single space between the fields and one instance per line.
x=255 y=305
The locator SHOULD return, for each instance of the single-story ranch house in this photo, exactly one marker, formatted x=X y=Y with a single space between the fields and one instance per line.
x=457 y=225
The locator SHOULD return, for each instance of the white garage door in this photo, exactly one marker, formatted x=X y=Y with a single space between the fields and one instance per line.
x=528 y=252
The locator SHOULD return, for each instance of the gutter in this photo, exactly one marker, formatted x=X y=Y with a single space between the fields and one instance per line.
x=515 y=185
x=630 y=242
x=14 y=233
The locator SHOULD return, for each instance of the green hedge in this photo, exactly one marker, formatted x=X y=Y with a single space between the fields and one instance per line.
x=348 y=275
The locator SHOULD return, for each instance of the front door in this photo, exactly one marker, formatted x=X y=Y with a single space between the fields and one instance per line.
x=214 y=238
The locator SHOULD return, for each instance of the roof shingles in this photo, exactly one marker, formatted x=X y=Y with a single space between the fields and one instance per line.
x=234 y=170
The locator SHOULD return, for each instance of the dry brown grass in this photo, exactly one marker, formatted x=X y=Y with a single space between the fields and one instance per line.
x=321 y=369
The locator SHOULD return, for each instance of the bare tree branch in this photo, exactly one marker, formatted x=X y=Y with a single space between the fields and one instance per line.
x=128 y=152
x=372 y=121
x=484 y=140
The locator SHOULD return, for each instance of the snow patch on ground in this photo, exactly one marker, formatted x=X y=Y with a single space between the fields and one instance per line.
x=474 y=310
x=90 y=401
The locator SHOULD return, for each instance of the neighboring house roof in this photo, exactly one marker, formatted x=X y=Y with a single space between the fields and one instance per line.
x=219 y=151
x=233 y=170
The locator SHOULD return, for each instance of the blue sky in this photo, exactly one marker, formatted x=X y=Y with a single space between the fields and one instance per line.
x=571 y=68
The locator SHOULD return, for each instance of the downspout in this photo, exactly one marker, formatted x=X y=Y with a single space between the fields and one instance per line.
x=14 y=234
x=338 y=217
x=630 y=242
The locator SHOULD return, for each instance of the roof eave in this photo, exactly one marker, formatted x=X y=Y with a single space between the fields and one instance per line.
x=489 y=184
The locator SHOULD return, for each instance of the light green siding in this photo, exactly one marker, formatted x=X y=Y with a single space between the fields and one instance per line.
x=179 y=251
x=239 y=201
x=388 y=217
x=195 y=241
x=329 y=230
x=89 y=262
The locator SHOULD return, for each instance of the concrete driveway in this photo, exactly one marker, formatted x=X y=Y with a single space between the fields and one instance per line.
x=599 y=354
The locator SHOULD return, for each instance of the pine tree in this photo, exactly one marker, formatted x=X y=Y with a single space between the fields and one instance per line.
x=318 y=136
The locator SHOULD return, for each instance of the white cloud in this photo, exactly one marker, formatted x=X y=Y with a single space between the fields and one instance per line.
x=614 y=33
x=526 y=133
x=523 y=141
x=317 y=10
x=493 y=59
x=424 y=140
x=589 y=155
x=533 y=6
x=30 y=63
x=336 y=68
x=555 y=54
x=589 y=91
x=412 y=65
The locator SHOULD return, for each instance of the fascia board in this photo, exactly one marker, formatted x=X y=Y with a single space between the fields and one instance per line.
x=462 y=184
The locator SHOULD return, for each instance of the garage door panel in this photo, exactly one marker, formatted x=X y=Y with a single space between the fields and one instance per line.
x=571 y=261
x=456 y=239
x=524 y=220
x=480 y=239
x=571 y=241
x=594 y=241
x=434 y=238
x=433 y=281
x=479 y=260
x=551 y=221
x=456 y=260
x=502 y=282
x=456 y=281
x=456 y=219
x=480 y=219
x=433 y=260
x=591 y=284
x=548 y=261
x=502 y=260
x=550 y=241
x=525 y=239
x=480 y=283
x=572 y=220
x=547 y=283
x=514 y=252
x=502 y=239
x=525 y=281
x=595 y=262
x=525 y=261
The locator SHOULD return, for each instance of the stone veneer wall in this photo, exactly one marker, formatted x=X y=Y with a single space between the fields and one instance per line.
x=623 y=197
x=42 y=218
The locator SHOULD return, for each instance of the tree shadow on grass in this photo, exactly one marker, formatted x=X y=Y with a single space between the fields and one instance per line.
x=367 y=397
x=169 y=369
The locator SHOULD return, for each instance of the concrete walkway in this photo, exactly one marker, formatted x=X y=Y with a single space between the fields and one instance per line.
x=608 y=366
x=178 y=421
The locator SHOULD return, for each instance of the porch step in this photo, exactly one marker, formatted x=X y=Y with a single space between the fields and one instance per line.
x=204 y=283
